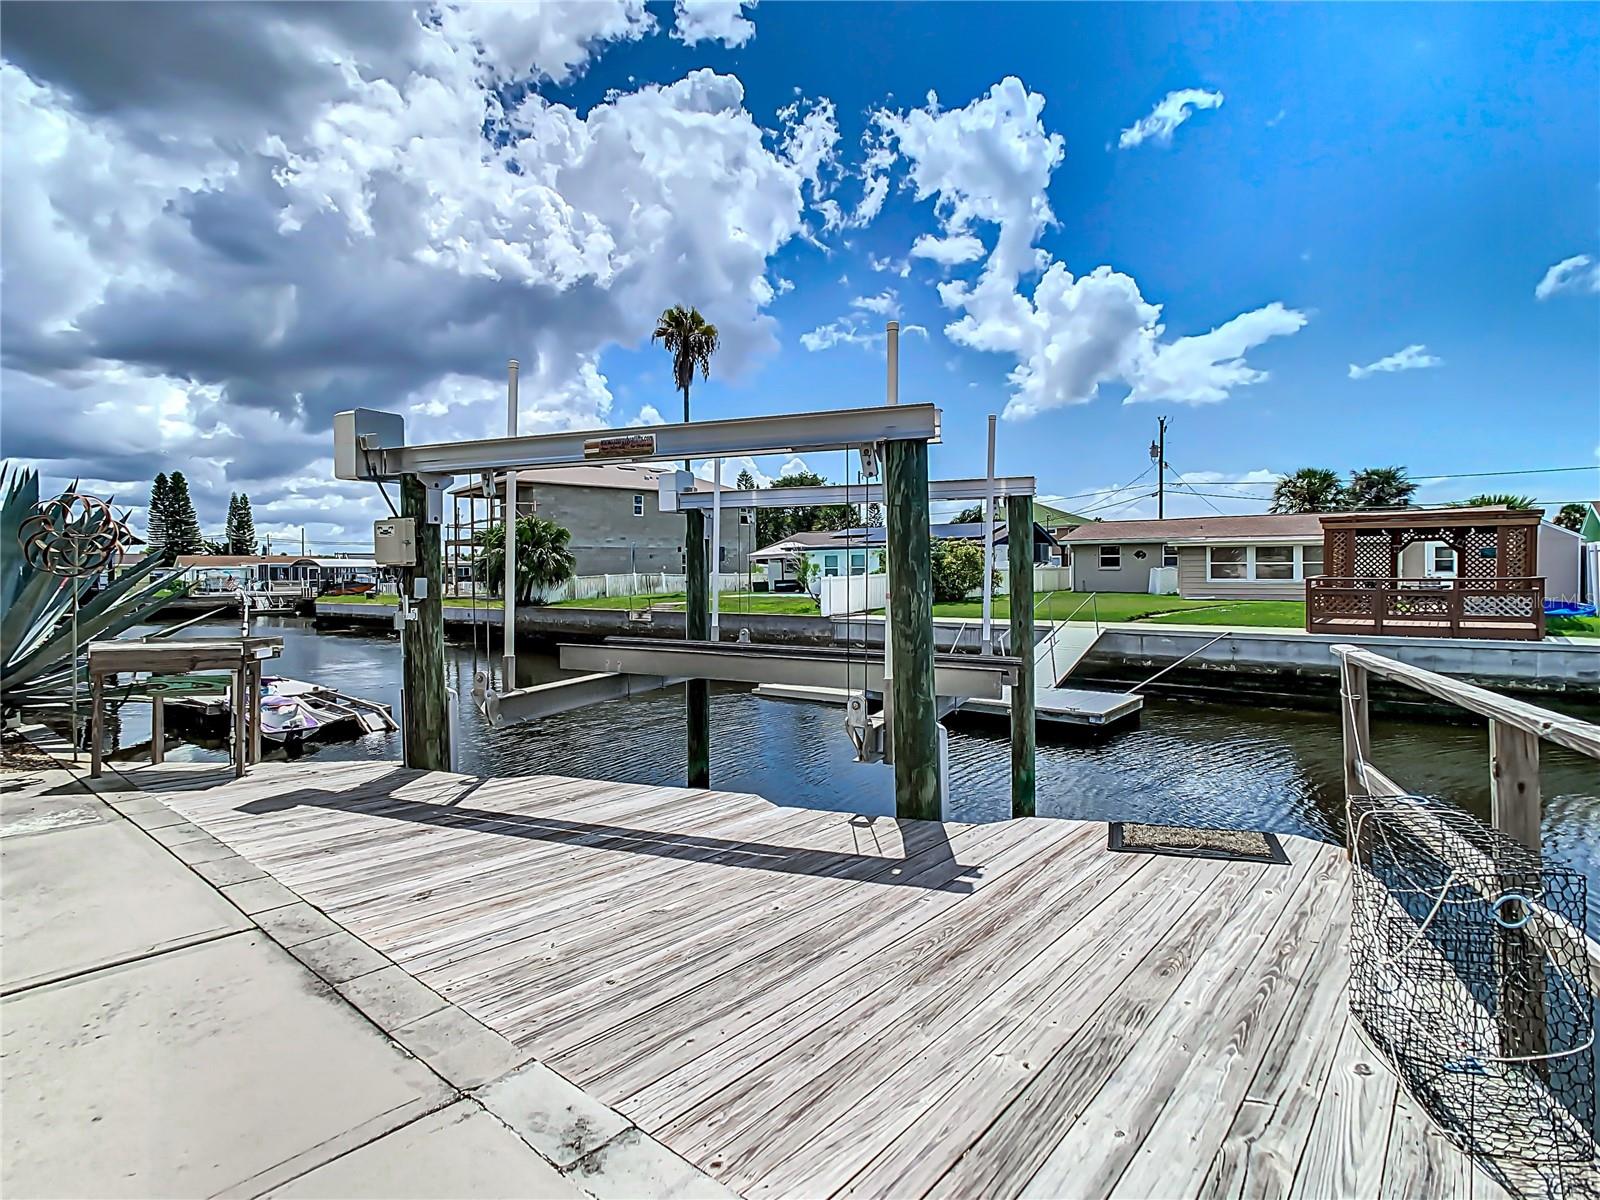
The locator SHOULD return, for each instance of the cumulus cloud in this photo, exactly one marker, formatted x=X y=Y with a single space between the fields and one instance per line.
x=311 y=207
x=1580 y=274
x=990 y=164
x=1170 y=111
x=1412 y=358
x=948 y=251
x=851 y=331
x=696 y=21
x=885 y=303
x=890 y=266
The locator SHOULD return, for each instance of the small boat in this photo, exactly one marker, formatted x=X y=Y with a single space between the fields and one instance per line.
x=293 y=712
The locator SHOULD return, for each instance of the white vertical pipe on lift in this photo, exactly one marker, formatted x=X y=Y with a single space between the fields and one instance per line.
x=893 y=335
x=988 y=549
x=892 y=396
x=508 y=663
x=715 y=557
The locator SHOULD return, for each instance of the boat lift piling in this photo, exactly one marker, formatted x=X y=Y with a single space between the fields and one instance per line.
x=697 y=692
x=425 y=720
x=1024 y=735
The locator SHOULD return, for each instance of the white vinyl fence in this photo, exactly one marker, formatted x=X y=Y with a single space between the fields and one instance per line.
x=843 y=594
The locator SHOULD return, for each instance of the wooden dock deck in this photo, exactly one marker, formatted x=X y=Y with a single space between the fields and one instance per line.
x=814 y=1004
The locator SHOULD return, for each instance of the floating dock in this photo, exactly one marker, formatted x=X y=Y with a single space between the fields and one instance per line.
x=814 y=1003
x=1067 y=707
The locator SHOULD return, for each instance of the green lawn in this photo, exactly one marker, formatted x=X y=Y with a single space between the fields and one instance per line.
x=1580 y=627
x=1078 y=606
x=1270 y=614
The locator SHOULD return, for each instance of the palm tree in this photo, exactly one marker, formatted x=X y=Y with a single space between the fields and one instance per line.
x=1495 y=500
x=691 y=341
x=1308 y=490
x=1571 y=516
x=1379 y=487
x=543 y=560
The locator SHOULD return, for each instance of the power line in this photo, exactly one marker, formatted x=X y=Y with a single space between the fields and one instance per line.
x=1423 y=478
x=1184 y=483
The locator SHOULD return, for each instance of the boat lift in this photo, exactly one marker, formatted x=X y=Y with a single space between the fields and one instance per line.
x=371 y=445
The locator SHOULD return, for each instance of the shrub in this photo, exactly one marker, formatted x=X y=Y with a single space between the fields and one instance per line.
x=957 y=569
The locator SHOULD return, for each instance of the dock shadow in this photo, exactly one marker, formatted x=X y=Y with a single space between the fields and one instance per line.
x=929 y=861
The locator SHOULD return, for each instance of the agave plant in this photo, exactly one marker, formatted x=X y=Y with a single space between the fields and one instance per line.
x=37 y=649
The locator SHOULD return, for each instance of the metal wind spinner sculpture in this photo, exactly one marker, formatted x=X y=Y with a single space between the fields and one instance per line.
x=73 y=537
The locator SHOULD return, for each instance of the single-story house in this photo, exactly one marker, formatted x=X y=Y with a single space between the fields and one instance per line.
x=1263 y=556
x=1257 y=557
x=860 y=551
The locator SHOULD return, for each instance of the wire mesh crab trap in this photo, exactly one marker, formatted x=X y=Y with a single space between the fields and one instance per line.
x=1469 y=972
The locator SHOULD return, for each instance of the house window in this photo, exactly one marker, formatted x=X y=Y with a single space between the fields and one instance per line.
x=1111 y=558
x=1310 y=561
x=830 y=564
x=746 y=516
x=1441 y=561
x=858 y=562
x=1227 y=562
x=638 y=505
x=1169 y=556
x=1274 y=563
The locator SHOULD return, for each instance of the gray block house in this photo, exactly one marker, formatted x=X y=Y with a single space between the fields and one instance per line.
x=614 y=517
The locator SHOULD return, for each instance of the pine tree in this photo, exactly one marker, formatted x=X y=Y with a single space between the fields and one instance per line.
x=241 y=528
x=155 y=519
x=183 y=526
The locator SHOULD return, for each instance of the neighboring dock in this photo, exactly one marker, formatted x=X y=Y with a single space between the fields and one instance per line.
x=819 y=1003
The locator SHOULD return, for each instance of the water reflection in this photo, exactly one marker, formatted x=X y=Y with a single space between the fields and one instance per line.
x=1198 y=763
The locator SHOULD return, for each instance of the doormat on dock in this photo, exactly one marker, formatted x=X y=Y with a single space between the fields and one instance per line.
x=1240 y=845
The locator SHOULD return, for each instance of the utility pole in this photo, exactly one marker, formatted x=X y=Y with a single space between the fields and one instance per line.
x=1158 y=453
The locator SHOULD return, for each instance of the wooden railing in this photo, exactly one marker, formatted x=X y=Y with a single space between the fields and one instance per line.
x=1481 y=608
x=1516 y=729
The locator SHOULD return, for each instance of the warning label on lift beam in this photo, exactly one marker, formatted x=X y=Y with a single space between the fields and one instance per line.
x=626 y=445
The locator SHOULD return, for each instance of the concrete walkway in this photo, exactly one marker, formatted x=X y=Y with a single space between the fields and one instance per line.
x=176 y=1023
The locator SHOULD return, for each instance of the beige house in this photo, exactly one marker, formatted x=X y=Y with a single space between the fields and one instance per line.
x=1269 y=556
x=1264 y=556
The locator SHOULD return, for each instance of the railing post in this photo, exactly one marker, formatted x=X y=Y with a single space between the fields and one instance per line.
x=1514 y=802
x=1355 y=723
x=1514 y=808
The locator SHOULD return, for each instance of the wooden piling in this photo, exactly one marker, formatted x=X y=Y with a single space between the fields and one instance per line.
x=916 y=718
x=1024 y=738
x=697 y=692
x=426 y=720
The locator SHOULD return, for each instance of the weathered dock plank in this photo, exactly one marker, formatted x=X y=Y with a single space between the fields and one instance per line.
x=822 y=1004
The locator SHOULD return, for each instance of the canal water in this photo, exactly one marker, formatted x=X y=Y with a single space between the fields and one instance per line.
x=1200 y=763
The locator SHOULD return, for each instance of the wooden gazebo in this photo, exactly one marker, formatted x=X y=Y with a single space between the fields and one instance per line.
x=1429 y=572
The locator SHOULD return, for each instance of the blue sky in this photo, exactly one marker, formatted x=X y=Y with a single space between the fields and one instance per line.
x=1404 y=174
x=214 y=238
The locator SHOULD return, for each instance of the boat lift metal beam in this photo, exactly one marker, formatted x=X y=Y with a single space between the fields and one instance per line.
x=564 y=695
x=369 y=444
x=861 y=493
x=956 y=675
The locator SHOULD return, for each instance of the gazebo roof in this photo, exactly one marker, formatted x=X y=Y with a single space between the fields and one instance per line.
x=1432 y=518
